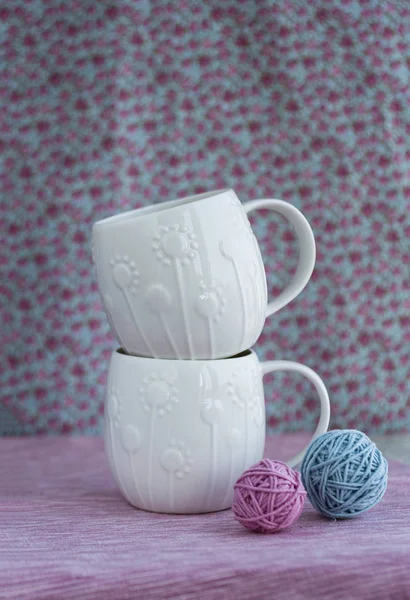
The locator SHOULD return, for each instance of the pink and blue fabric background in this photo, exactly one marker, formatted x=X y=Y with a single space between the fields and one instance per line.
x=107 y=106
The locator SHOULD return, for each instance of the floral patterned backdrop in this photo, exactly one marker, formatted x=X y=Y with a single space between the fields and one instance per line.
x=107 y=106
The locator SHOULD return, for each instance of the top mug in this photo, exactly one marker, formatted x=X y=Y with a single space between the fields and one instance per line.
x=185 y=279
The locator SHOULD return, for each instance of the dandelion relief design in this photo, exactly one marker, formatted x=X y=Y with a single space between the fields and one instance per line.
x=238 y=216
x=158 y=395
x=176 y=246
x=239 y=402
x=159 y=300
x=131 y=441
x=211 y=412
x=230 y=250
x=125 y=273
x=240 y=221
x=256 y=404
x=127 y=278
x=235 y=443
x=244 y=240
x=113 y=421
x=255 y=296
x=246 y=397
x=210 y=305
x=114 y=407
x=177 y=461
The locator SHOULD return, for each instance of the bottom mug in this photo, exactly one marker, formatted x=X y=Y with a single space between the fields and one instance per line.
x=179 y=433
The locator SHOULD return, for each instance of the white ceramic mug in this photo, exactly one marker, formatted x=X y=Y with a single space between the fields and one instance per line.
x=185 y=279
x=179 y=433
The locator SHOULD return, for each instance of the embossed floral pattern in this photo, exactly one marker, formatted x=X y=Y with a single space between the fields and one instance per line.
x=130 y=438
x=158 y=298
x=158 y=393
x=235 y=437
x=114 y=406
x=127 y=278
x=248 y=394
x=210 y=303
x=125 y=273
x=176 y=245
x=239 y=218
x=258 y=414
x=177 y=459
x=211 y=410
x=175 y=242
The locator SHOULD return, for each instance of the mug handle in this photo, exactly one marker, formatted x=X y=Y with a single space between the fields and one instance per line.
x=286 y=365
x=307 y=249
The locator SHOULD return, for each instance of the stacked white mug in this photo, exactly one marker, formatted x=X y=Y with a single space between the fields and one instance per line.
x=184 y=288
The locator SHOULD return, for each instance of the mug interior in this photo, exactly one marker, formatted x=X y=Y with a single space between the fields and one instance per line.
x=155 y=208
x=148 y=358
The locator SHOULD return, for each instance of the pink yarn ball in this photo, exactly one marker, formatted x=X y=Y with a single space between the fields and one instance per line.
x=268 y=497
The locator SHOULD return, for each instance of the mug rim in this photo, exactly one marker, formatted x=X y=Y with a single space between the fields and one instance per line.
x=138 y=213
x=121 y=352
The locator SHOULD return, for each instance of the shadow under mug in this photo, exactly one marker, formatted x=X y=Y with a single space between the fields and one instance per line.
x=185 y=279
x=179 y=433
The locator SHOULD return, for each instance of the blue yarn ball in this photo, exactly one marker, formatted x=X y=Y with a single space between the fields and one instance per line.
x=344 y=473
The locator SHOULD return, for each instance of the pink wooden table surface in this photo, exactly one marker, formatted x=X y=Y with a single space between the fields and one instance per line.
x=65 y=533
